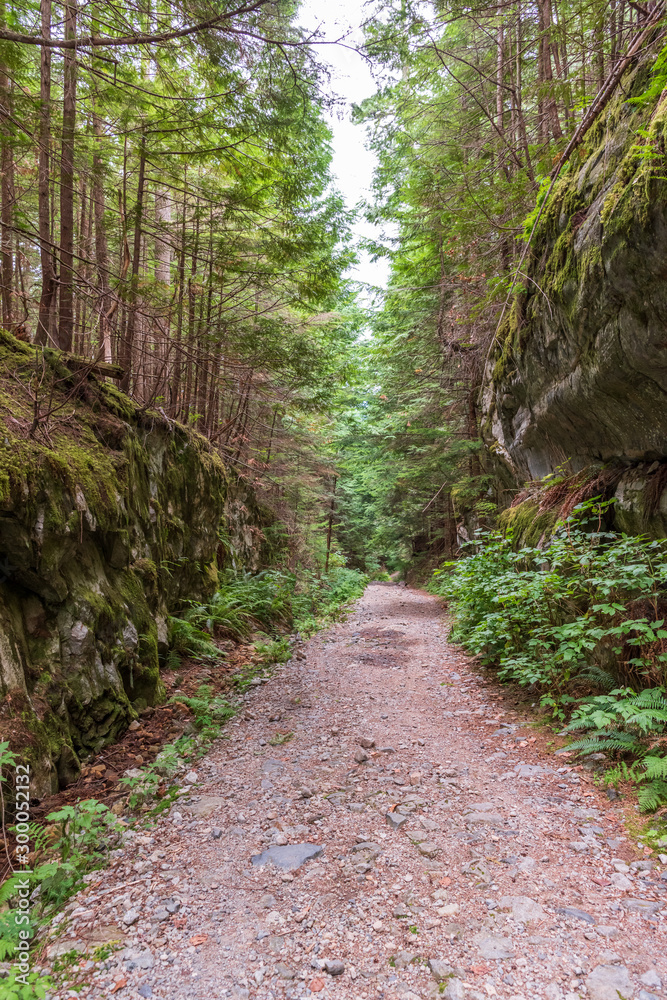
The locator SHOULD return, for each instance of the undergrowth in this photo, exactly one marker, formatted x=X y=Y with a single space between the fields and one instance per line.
x=272 y=602
x=584 y=614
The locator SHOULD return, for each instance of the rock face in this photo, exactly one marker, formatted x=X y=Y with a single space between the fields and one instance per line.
x=577 y=375
x=109 y=517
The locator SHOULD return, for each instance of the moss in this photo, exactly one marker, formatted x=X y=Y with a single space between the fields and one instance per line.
x=527 y=525
x=111 y=517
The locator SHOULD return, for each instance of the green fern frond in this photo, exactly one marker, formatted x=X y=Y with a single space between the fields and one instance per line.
x=651 y=698
x=656 y=767
x=652 y=796
x=611 y=741
x=602 y=678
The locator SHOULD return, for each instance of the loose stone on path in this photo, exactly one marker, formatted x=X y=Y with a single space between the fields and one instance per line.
x=385 y=852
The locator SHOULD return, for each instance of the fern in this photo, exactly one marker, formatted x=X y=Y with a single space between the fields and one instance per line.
x=624 y=742
x=601 y=678
x=623 y=772
x=656 y=767
x=651 y=698
x=652 y=795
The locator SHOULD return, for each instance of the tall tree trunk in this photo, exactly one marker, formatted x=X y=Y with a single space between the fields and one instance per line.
x=330 y=526
x=6 y=194
x=127 y=349
x=44 y=333
x=101 y=249
x=549 y=115
x=66 y=315
x=162 y=247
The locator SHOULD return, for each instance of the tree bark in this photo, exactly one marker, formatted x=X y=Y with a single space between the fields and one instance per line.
x=6 y=196
x=128 y=340
x=66 y=314
x=44 y=333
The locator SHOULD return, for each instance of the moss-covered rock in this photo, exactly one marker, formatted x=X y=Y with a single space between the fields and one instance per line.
x=111 y=517
x=578 y=373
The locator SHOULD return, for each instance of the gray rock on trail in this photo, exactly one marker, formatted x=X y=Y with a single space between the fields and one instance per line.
x=455 y=990
x=288 y=858
x=575 y=914
x=334 y=966
x=652 y=979
x=528 y=770
x=367 y=742
x=206 y=806
x=493 y=819
x=284 y=971
x=361 y=756
x=368 y=848
x=402 y=959
x=396 y=820
x=492 y=946
x=607 y=982
x=440 y=970
x=645 y=995
x=644 y=907
x=523 y=908
x=137 y=958
x=608 y=931
x=429 y=849
x=131 y=917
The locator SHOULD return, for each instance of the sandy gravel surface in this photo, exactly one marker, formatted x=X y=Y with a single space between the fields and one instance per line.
x=455 y=859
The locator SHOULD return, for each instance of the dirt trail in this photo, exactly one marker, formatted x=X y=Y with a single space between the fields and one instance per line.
x=454 y=843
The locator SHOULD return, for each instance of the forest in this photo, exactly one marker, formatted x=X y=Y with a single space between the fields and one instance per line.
x=215 y=435
x=168 y=212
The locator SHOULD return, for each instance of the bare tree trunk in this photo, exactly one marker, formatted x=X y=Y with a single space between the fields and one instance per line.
x=549 y=122
x=6 y=195
x=101 y=250
x=599 y=50
x=127 y=346
x=500 y=73
x=178 y=367
x=44 y=333
x=66 y=316
x=162 y=247
x=518 y=83
x=330 y=527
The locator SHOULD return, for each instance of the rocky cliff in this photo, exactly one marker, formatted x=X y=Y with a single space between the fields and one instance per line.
x=577 y=376
x=110 y=518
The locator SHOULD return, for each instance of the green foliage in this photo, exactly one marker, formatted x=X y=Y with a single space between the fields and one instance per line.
x=566 y=615
x=186 y=639
x=34 y=987
x=624 y=722
x=210 y=713
x=658 y=81
x=545 y=616
x=87 y=831
x=271 y=601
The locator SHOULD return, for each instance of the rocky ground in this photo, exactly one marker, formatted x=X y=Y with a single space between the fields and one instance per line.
x=377 y=825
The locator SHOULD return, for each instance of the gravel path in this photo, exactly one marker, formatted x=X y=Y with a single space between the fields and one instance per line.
x=451 y=857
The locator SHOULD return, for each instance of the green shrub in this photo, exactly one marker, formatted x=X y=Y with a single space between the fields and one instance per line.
x=585 y=609
x=544 y=616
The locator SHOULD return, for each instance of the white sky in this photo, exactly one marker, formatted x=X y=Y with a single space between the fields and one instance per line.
x=353 y=163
